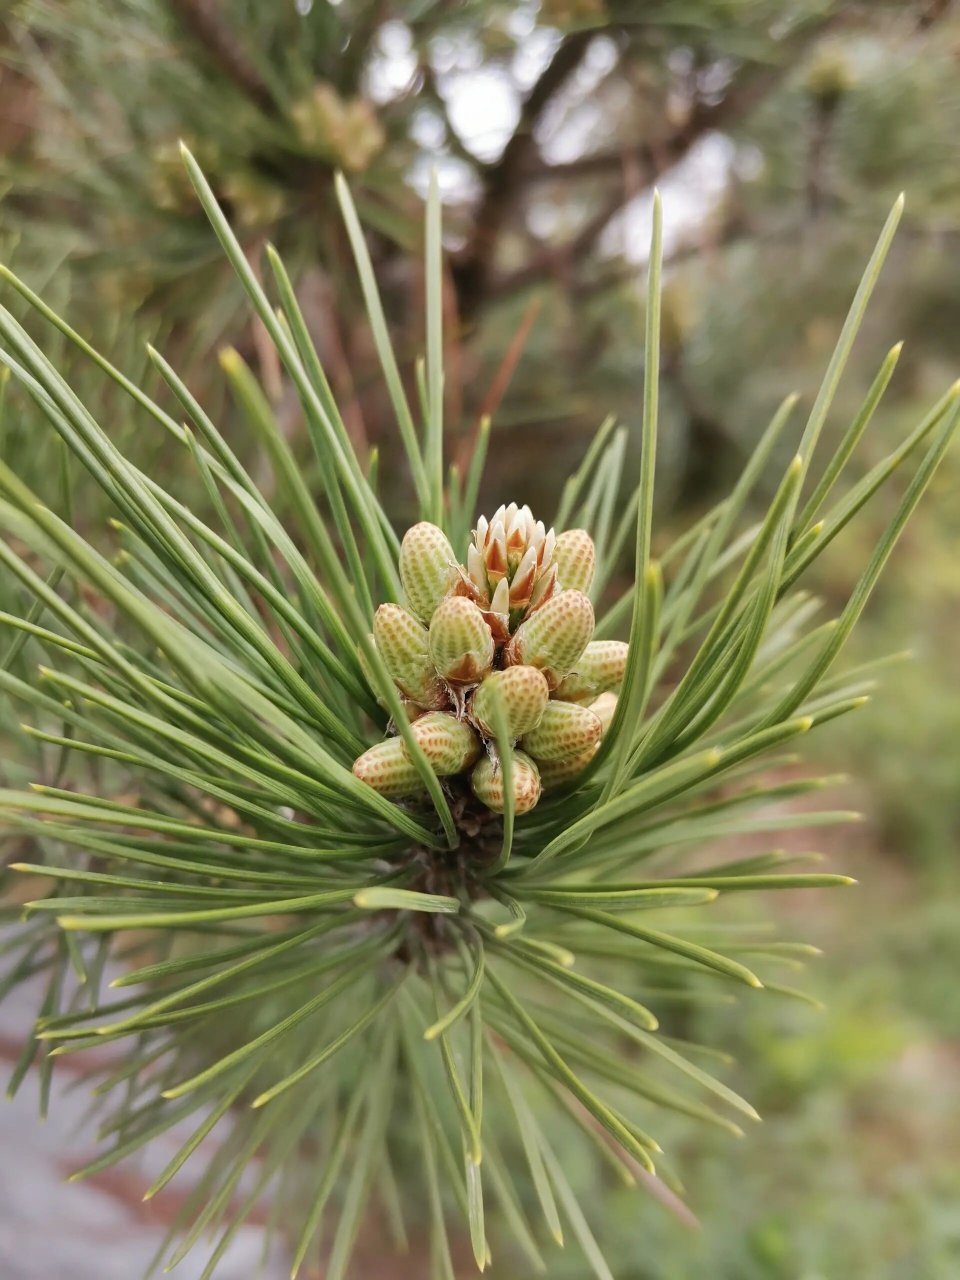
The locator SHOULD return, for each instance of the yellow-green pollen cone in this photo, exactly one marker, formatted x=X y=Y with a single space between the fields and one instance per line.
x=487 y=783
x=599 y=669
x=523 y=693
x=554 y=638
x=500 y=646
x=404 y=645
x=566 y=729
x=428 y=568
x=576 y=560
x=461 y=646
x=449 y=744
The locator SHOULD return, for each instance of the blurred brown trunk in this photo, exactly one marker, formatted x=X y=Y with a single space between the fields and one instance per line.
x=19 y=97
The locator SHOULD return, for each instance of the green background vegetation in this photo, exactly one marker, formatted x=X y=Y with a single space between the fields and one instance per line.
x=779 y=133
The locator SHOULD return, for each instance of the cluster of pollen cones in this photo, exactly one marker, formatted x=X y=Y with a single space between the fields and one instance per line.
x=501 y=643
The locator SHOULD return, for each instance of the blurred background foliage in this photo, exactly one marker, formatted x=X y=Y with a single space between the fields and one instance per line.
x=779 y=132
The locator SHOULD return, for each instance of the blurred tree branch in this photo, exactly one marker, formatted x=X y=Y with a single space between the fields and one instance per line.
x=507 y=181
x=504 y=179
x=208 y=24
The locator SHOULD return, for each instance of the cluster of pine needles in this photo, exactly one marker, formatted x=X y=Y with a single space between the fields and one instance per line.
x=279 y=973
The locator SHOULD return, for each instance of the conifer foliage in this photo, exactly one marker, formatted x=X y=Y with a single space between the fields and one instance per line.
x=316 y=956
